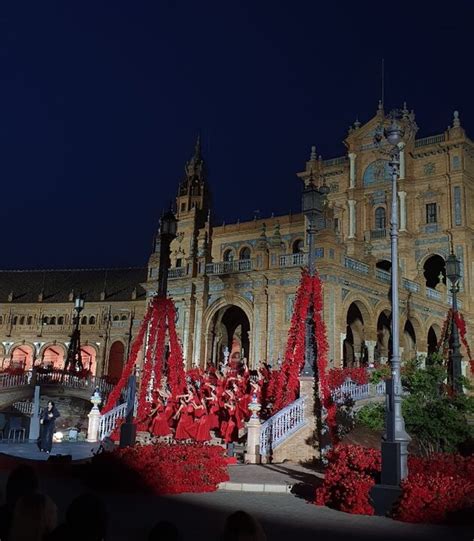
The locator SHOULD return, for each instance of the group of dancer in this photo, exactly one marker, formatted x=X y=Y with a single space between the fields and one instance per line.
x=214 y=402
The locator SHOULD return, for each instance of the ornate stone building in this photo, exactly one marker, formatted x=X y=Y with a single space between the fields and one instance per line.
x=234 y=284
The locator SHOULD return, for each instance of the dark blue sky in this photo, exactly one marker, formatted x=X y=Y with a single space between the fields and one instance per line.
x=101 y=103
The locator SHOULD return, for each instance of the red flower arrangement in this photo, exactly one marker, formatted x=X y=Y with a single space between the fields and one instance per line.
x=162 y=468
x=337 y=376
x=434 y=487
x=443 y=344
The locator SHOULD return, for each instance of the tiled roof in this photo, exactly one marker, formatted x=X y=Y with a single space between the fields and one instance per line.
x=27 y=285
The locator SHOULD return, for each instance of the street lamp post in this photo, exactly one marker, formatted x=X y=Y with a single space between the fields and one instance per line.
x=453 y=272
x=166 y=233
x=313 y=204
x=74 y=356
x=397 y=126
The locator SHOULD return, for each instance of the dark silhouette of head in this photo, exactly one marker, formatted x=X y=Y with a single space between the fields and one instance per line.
x=240 y=526
x=21 y=481
x=51 y=405
x=91 y=506
x=164 y=531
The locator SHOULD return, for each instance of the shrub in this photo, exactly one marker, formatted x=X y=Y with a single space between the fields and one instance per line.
x=372 y=416
x=162 y=468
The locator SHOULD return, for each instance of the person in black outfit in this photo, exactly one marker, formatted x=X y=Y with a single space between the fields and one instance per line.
x=47 y=421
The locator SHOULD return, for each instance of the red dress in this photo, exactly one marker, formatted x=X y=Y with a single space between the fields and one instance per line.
x=202 y=422
x=186 y=428
x=229 y=428
x=160 y=426
x=214 y=415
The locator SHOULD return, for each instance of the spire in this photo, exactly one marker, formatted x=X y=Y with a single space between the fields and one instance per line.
x=312 y=156
x=357 y=124
x=197 y=149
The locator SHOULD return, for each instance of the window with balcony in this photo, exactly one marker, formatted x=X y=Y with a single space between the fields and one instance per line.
x=228 y=255
x=298 y=246
x=380 y=218
x=179 y=262
x=244 y=253
x=431 y=213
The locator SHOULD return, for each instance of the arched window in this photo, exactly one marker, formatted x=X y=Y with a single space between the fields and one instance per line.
x=244 y=253
x=22 y=320
x=1 y=320
x=52 y=321
x=116 y=317
x=84 y=320
x=228 y=255
x=92 y=320
x=15 y=320
x=60 y=320
x=45 y=320
x=29 y=320
x=380 y=219
x=298 y=246
x=124 y=317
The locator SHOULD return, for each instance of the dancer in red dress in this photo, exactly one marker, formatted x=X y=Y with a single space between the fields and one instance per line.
x=201 y=417
x=230 y=429
x=185 y=429
x=159 y=425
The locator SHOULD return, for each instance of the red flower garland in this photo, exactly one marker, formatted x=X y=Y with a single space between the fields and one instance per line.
x=445 y=333
x=128 y=368
x=176 y=373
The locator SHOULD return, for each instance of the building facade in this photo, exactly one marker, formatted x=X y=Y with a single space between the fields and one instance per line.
x=234 y=284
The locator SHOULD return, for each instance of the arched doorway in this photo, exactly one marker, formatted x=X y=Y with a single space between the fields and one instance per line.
x=384 y=264
x=89 y=354
x=22 y=357
x=409 y=337
x=116 y=358
x=434 y=271
x=433 y=337
x=53 y=358
x=354 y=345
x=383 y=348
x=230 y=329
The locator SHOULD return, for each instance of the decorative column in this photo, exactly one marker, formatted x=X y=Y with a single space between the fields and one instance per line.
x=35 y=420
x=252 y=452
x=371 y=351
x=352 y=169
x=342 y=337
x=352 y=218
x=403 y=210
x=401 y=146
x=94 y=418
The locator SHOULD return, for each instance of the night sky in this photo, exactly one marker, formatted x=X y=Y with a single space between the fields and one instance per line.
x=101 y=104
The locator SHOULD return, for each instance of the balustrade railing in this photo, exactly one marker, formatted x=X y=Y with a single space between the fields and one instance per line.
x=278 y=428
x=378 y=234
x=356 y=265
x=25 y=407
x=430 y=140
x=177 y=272
x=227 y=267
x=108 y=420
x=433 y=294
x=17 y=380
x=357 y=392
x=75 y=382
x=383 y=275
x=409 y=285
x=293 y=260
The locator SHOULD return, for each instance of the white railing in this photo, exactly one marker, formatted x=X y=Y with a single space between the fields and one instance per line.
x=430 y=140
x=9 y=380
x=226 y=267
x=25 y=407
x=108 y=420
x=433 y=294
x=293 y=260
x=357 y=392
x=278 y=428
x=356 y=265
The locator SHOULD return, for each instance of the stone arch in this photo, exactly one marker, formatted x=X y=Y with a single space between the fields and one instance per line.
x=432 y=337
x=432 y=266
x=409 y=340
x=228 y=255
x=210 y=316
x=245 y=252
x=357 y=331
x=52 y=354
x=116 y=360
x=297 y=246
x=22 y=355
x=89 y=357
x=383 y=347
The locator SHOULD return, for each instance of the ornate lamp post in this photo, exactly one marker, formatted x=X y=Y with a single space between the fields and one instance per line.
x=314 y=198
x=397 y=126
x=453 y=272
x=166 y=233
x=74 y=356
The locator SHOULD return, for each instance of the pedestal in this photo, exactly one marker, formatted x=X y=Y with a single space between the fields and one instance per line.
x=93 y=427
x=252 y=454
x=34 y=432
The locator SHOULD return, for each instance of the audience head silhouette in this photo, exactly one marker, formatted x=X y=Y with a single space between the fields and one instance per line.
x=34 y=518
x=164 y=531
x=240 y=526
